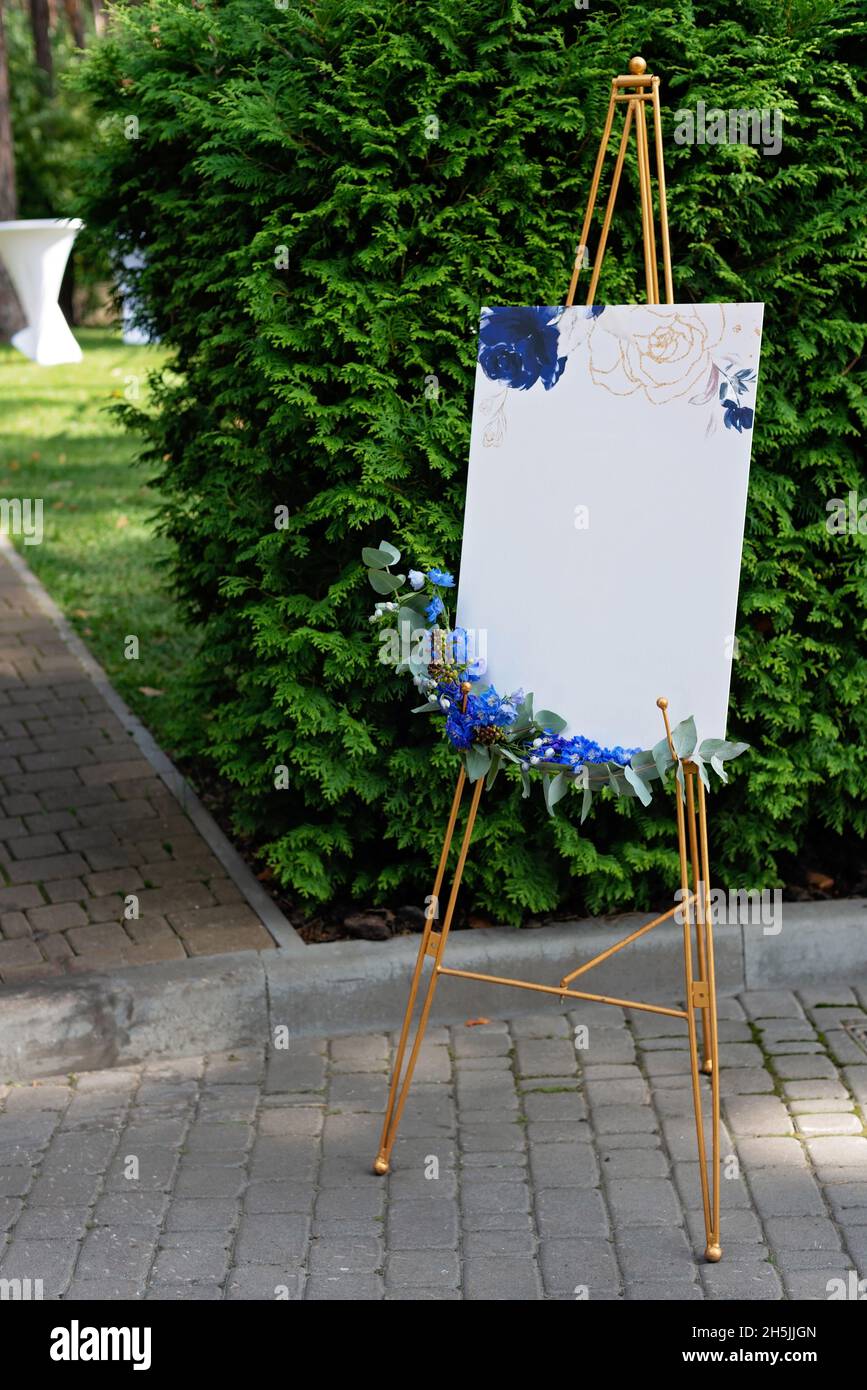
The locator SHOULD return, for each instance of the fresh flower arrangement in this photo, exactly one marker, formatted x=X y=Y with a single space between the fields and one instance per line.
x=489 y=729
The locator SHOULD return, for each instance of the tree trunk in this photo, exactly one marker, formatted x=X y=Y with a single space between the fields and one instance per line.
x=98 y=16
x=40 y=24
x=11 y=317
x=76 y=21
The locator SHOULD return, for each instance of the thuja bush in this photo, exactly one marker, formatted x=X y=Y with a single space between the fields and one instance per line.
x=324 y=195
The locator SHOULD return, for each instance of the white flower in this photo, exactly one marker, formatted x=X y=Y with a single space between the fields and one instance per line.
x=525 y=767
x=416 y=579
x=445 y=704
x=534 y=760
x=537 y=743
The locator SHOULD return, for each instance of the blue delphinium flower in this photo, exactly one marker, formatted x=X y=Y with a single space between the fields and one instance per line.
x=459 y=727
x=456 y=644
x=519 y=346
x=441 y=578
x=576 y=750
x=497 y=709
x=737 y=417
x=434 y=608
x=416 y=579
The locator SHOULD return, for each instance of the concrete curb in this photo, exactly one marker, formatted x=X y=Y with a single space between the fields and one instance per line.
x=218 y=1003
x=269 y=914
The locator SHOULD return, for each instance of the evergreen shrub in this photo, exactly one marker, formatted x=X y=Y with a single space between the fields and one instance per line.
x=325 y=194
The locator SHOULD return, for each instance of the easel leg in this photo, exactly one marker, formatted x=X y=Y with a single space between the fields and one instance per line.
x=700 y=917
x=714 y=1250
x=432 y=943
x=700 y=995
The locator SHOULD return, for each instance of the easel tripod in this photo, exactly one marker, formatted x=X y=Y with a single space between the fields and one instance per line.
x=694 y=908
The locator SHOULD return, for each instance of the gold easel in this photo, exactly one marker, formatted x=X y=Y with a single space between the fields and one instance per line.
x=694 y=909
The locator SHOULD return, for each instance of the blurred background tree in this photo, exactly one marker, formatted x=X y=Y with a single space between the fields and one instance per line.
x=45 y=126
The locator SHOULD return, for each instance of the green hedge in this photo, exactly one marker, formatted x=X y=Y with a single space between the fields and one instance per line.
x=314 y=255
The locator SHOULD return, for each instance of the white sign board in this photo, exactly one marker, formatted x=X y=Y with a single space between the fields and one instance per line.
x=605 y=509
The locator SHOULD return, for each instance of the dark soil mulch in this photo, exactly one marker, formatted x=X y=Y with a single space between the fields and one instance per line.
x=833 y=868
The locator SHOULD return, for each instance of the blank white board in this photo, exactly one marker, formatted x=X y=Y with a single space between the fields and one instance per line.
x=606 y=498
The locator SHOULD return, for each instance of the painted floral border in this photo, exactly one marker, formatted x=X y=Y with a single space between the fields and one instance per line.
x=675 y=351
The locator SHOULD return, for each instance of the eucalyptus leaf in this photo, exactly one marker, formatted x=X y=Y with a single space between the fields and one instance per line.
x=719 y=767
x=477 y=761
x=417 y=602
x=585 y=804
x=383 y=582
x=429 y=708
x=721 y=748
x=375 y=559
x=527 y=785
x=386 y=548
x=702 y=770
x=547 y=719
x=642 y=790
x=496 y=764
x=406 y=615
x=555 y=789
x=661 y=754
x=684 y=737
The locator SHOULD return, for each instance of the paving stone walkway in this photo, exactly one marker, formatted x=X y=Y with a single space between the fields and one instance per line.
x=85 y=822
x=526 y=1168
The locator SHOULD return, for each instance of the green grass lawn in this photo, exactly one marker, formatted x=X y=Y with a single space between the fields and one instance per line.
x=99 y=558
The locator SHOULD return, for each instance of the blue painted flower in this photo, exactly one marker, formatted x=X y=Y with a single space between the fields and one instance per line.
x=737 y=417
x=434 y=608
x=519 y=346
x=595 y=310
x=416 y=579
x=441 y=578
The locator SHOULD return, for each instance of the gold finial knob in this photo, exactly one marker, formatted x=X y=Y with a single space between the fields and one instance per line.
x=637 y=66
x=466 y=687
x=662 y=703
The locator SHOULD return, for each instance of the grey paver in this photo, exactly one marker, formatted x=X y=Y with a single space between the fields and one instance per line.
x=264 y=1282
x=563 y=1165
x=499 y=1280
x=345 y=1288
x=422 y=1225
x=272 y=1239
x=426 y=1268
x=570 y=1265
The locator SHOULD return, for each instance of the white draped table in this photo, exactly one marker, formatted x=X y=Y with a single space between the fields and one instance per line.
x=35 y=252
